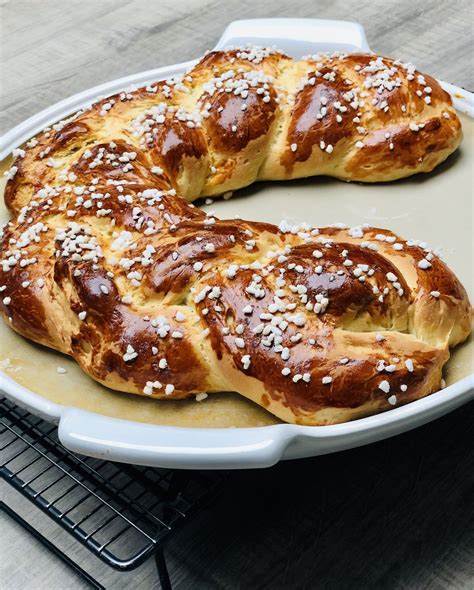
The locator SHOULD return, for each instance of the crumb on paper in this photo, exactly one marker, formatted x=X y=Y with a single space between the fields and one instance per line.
x=5 y=364
x=201 y=397
x=61 y=370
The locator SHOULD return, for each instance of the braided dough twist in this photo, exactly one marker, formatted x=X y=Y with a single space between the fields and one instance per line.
x=108 y=262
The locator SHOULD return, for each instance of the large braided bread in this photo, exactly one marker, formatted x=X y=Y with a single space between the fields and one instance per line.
x=107 y=262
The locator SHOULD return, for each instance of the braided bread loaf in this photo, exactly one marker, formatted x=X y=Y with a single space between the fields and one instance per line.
x=109 y=263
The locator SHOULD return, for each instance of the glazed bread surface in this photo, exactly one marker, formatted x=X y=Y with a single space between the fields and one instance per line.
x=253 y=114
x=106 y=259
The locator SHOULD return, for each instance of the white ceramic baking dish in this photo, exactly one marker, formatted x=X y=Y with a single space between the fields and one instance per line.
x=95 y=434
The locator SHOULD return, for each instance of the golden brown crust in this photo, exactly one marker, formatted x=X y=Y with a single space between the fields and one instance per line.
x=106 y=263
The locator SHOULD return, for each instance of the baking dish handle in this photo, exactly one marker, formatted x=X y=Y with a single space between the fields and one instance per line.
x=296 y=36
x=113 y=439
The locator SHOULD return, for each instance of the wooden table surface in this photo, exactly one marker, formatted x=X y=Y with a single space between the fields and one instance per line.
x=397 y=514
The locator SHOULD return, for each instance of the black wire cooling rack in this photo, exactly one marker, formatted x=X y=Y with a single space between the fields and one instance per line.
x=122 y=513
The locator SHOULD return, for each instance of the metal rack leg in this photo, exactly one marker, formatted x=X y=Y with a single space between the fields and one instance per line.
x=62 y=556
x=162 y=569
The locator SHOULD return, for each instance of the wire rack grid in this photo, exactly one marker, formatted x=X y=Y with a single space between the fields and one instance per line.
x=122 y=513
